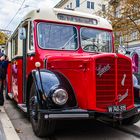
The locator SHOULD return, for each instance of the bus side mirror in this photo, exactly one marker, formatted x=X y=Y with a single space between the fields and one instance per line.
x=22 y=33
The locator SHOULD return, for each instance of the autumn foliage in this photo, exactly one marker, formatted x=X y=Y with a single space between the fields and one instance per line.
x=3 y=38
x=124 y=16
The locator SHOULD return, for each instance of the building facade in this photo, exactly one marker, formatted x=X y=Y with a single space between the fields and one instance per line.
x=88 y=6
x=128 y=14
x=129 y=39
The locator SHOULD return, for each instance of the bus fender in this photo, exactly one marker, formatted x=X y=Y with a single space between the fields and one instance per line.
x=46 y=82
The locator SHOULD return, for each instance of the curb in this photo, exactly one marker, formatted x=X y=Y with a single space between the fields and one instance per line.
x=8 y=129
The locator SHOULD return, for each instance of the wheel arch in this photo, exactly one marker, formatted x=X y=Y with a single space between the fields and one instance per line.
x=50 y=76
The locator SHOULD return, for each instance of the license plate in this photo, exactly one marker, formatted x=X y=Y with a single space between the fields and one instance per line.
x=119 y=108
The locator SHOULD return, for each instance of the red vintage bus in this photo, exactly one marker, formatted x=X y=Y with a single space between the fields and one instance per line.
x=63 y=66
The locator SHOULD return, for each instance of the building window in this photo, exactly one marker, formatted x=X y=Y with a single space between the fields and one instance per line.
x=71 y=5
x=134 y=36
x=103 y=8
x=77 y=3
x=90 y=5
x=118 y=12
x=67 y=6
x=121 y=40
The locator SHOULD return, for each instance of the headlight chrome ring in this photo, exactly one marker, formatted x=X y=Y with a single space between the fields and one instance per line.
x=60 y=96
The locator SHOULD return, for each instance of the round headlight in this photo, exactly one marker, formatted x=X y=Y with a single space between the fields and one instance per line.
x=60 y=96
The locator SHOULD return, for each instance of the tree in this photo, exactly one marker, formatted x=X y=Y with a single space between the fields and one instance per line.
x=125 y=18
x=3 y=38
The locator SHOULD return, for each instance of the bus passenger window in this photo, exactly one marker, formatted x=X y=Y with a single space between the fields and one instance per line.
x=15 y=45
x=31 y=45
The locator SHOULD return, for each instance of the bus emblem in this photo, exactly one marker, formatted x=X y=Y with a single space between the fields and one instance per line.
x=123 y=80
x=101 y=70
x=122 y=97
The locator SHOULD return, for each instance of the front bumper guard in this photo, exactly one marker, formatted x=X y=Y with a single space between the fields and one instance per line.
x=85 y=114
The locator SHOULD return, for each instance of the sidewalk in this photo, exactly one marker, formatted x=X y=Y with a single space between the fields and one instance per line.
x=7 y=131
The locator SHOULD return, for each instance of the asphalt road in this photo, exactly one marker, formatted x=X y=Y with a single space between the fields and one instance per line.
x=68 y=130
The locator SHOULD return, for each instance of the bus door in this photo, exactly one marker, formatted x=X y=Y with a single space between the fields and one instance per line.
x=15 y=64
x=8 y=82
x=28 y=57
x=27 y=61
x=18 y=64
x=24 y=62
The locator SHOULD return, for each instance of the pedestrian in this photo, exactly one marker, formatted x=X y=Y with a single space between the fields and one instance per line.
x=3 y=71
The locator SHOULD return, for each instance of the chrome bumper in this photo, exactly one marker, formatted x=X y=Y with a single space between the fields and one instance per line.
x=85 y=114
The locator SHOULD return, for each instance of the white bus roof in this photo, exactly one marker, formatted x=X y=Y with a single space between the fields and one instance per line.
x=51 y=14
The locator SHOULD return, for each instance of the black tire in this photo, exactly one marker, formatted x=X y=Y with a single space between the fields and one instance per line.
x=41 y=128
x=132 y=120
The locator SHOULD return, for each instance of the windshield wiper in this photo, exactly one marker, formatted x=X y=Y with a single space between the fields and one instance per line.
x=65 y=45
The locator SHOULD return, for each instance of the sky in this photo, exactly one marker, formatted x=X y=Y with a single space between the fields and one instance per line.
x=9 y=8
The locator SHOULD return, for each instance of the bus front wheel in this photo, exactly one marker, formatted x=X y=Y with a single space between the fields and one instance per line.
x=40 y=127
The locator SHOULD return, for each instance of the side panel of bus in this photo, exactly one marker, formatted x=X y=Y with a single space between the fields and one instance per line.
x=17 y=79
x=20 y=68
x=15 y=68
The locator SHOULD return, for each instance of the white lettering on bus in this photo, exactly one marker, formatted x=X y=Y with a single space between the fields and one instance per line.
x=101 y=70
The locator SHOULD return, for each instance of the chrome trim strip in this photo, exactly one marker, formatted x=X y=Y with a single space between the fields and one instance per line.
x=57 y=116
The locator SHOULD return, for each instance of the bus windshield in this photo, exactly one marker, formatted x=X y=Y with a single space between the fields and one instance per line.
x=93 y=40
x=57 y=36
